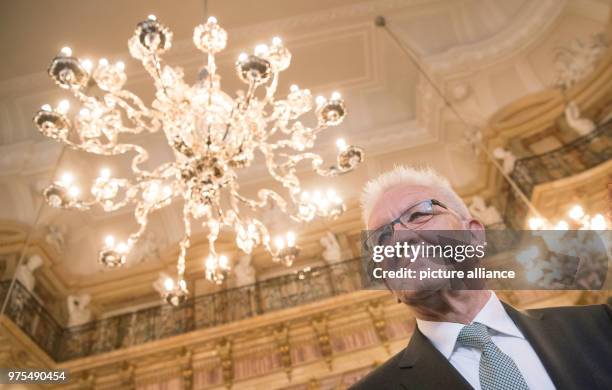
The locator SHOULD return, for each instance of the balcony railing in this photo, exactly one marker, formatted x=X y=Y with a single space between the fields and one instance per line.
x=28 y=313
x=582 y=154
x=578 y=156
x=163 y=321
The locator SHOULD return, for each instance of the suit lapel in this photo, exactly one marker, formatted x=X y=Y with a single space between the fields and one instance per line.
x=424 y=367
x=553 y=349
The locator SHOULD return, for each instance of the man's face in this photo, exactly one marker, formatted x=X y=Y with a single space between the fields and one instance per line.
x=389 y=207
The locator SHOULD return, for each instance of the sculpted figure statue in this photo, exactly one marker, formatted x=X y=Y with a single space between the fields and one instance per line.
x=488 y=215
x=583 y=126
x=78 y=312
x=25 y=272
x=332 y=253
x=508 y=159
x=244 y=271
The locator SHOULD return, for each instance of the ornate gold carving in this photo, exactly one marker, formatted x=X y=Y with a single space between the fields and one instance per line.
x=186 y=359
x=224 y=350
x=376 y=311
x=281 y=336
x=126 y=376
x=86 y=380
x=320 y=326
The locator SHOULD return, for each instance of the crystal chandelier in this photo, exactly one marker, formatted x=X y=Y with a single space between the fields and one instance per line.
x=212 y=136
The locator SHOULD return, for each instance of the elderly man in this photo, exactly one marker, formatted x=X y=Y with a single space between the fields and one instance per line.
x=469 y=338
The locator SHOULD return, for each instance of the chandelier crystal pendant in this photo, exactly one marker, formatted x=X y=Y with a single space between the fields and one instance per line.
x=212 y=136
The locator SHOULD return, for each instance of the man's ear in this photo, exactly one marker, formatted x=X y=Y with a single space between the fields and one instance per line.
x=477 y=230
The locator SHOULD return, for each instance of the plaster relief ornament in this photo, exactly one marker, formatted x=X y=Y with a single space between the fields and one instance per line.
x=332 y=253
x=25 y=272
x=488 y=215
x=244 y=271
x=583 y=126
x=213 y=136
x=78 y=310
x=55 y=237
x=578 y=60
x=507 y=158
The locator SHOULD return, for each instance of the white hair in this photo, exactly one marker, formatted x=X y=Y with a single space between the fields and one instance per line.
x=401 y=175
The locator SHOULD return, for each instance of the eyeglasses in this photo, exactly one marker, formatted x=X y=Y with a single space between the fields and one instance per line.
x=414 y=216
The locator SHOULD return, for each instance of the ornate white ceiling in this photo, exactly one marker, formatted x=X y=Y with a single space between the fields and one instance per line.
x=483 y=54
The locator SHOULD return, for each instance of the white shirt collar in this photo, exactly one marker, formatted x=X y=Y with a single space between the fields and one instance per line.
x=443 y=335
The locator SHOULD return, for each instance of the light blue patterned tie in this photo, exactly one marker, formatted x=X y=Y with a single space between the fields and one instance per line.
x=497 y=371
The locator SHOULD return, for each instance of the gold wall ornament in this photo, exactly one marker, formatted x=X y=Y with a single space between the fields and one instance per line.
x=281 y=336
x=376 y=310
x=212 y=136
x=321 y=328
x=224 y=350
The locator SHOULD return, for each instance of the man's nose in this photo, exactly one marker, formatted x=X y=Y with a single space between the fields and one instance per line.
x=403 y=234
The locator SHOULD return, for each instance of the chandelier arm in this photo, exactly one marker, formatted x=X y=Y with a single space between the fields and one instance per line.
x=289 y=180
x=247 y=98
x=131 y=192
x=184 y=244
x=264 y=196
x=142 y=218
x=316 y=163
x=152 y=64
x=271 y=89
x=265 y=235
x=211 y=67
x=123 y=98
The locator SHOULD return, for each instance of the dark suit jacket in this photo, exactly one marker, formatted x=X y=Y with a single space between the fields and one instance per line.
x=574 y=344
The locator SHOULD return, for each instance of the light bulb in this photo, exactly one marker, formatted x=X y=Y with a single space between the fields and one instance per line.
x=74 y=191
x=320 y=100
x=63 y=106
x=562 y=225
x=66 y=50
x=290 y=239
x=103 y=62
x=109 y=241
x=576 y=212
x=67 y=179
x=212 y=20
x=598 y=222
x=120 y=65
x=84 y=112
x=210 y=262
x=46 y=107
x=87 y=65
x=336 y=96
x=535 y=223
x=223 y=261
x=294 y=88
x=277 y=41
x=152 y=17
x=279 y=243
x=341 y=144
x=261 y=49
x=242 y=57
x=305 y=196
x=105 y=173
x=151 y=193
x=169 y=284
x=122 y=247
